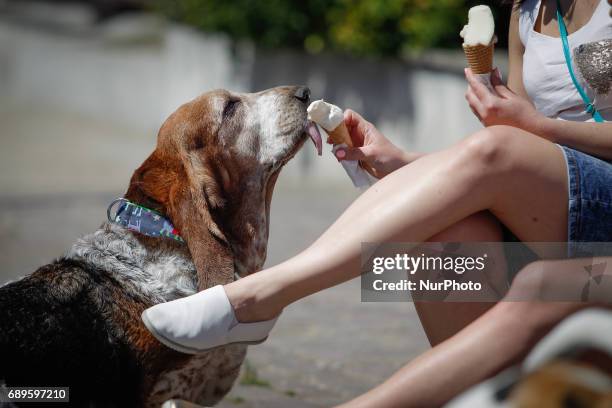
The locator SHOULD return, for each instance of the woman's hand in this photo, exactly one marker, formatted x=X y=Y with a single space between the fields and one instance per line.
x=503 y=107
x=378 y=155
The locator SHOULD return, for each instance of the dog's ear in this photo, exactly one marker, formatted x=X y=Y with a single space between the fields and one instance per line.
x=193 y=198
x=185 y=190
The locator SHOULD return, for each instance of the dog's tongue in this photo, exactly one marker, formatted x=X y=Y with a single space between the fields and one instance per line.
x=315 y=136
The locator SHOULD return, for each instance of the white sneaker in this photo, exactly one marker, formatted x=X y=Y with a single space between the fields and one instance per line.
x=201 y=322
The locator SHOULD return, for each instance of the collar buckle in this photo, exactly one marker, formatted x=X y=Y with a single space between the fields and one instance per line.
x=109 y=210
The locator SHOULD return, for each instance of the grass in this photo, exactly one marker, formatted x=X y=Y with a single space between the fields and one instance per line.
x=236 y=400
x=250 y=377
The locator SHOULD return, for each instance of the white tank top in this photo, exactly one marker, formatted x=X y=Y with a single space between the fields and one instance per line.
x=545 y=74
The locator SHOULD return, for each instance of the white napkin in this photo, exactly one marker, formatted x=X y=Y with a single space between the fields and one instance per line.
x=485 y=79
x=360 y=178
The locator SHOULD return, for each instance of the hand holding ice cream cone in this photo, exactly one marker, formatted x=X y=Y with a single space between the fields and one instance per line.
x=329 y=119
x=479 y=42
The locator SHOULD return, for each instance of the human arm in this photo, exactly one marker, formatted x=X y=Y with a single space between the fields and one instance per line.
x=372 y=147
x=589 y=137
x=511 y=106
x=515 y=66
x=515 y=56
x=507 y=108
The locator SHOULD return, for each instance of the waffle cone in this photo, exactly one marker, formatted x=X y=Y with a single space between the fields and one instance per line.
x=480 y=58
x=340 y=135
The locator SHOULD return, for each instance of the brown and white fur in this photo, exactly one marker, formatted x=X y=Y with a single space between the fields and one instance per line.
x=76 y=322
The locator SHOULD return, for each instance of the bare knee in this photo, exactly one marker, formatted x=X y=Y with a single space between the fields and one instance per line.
x=530 y=289
x=549 y=281
x=528 y=283
x=536 y=318
x=489 y=149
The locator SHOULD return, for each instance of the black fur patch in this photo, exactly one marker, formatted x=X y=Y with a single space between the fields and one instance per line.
x=54 y=332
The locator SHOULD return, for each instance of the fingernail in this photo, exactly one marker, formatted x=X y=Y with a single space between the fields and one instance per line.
x=341 y=154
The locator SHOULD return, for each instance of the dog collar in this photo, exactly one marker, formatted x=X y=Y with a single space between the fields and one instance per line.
x=142 y=220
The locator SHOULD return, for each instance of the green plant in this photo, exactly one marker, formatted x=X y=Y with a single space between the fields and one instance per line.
x=250 y=376
x=358 y=27
x=236 y=400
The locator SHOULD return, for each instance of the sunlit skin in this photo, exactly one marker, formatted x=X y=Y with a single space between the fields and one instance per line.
x=510 y=172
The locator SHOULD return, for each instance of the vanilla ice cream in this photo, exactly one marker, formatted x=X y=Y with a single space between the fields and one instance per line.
x=326 y=115
x=480 y=28
x=329 y=120
x=479 y=43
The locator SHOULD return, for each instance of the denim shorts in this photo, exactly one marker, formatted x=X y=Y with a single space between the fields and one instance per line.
x=589 y=211
x=590 y=197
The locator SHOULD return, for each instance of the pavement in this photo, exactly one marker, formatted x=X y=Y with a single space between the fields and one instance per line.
x=58 y=172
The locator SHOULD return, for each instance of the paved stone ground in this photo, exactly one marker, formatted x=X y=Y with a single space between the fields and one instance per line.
x=57 y=174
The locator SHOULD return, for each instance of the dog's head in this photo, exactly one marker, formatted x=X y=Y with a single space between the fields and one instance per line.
x=213 y=171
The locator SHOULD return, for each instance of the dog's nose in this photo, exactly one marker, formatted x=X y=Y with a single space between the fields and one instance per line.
x=303 y=94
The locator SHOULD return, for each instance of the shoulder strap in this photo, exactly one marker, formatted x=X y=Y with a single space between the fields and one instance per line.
x=590 y=108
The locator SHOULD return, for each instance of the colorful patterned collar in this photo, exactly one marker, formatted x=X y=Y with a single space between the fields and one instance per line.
x=142 y=220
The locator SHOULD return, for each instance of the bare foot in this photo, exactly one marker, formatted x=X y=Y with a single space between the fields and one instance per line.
x=249 y=304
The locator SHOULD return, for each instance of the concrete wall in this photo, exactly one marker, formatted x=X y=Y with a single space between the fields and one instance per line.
x=135 y=70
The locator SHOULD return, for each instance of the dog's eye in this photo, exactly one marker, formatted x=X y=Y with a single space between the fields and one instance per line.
x=230 y=107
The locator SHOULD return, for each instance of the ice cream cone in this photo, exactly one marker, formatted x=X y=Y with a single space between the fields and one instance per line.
x=340 y=135
x=480 y=57
x=328 y=116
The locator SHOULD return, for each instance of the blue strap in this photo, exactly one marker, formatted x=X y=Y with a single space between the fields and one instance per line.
x=590 y=108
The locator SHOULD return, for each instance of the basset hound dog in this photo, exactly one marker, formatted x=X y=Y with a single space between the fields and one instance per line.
x=76 y=322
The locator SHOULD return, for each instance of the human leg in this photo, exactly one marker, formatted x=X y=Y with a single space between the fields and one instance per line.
x=441 y=320
x=518 y=177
